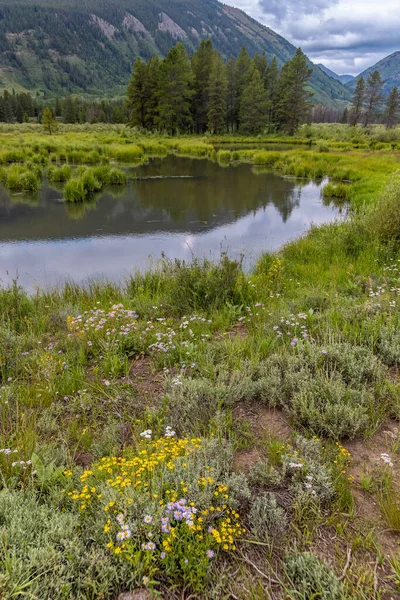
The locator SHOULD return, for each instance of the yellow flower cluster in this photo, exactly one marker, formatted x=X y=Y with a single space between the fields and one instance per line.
x=136 y=472
x=343 y=452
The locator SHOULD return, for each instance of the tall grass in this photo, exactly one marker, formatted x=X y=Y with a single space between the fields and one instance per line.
x=91 y=180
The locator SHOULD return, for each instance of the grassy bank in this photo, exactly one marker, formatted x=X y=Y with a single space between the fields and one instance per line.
x=202 y=432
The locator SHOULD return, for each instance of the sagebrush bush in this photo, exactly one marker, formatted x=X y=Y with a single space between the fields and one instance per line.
x=309 y=577
x=267 y=519
x=45 y=554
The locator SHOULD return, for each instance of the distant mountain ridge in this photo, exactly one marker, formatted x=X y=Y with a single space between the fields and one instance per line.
x=58 y=47
x=389 y=69
x=342 y=78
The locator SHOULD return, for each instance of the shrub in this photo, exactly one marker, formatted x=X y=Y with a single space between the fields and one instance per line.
x=267 y=518
x=389 y=345
x=312 y=578
x=175 y=531
x=48 y=557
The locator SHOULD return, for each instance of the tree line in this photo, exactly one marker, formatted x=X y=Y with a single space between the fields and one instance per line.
x=23 y=108
x=180 y=94
x=368 y=103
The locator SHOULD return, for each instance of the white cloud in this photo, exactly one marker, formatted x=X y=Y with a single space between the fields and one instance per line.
x=348 y=36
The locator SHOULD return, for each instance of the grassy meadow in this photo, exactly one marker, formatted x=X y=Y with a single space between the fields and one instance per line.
x=199 y=431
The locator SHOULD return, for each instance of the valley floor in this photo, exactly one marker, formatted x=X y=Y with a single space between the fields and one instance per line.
x=202 y=432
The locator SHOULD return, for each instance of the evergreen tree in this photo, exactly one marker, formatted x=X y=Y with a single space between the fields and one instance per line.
x=176 y=91
x=271 y=86
x=69 y=112
x=345 y=116
x=358 y=102
x=137 y=95
x=254 y=106
x=48 y=121
x=261 y=64
x=218 y=94
x=392 y=108
x=153 y=79
x=374 y=96
x=231 y=94
x=202 y=63
x=242 y=76
x=293 y=105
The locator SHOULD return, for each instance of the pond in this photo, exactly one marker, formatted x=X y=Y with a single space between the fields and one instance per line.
x=177 y=207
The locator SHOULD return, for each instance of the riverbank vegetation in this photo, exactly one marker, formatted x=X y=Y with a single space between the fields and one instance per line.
x=198 y=430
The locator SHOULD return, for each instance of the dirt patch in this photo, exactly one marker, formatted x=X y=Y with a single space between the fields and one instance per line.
x=83 y=459
x=264 y=423
x=145 y=380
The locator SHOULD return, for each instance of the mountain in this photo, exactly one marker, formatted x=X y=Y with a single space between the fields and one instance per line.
x=88 y=46
x=342 y=78
x=389 y=69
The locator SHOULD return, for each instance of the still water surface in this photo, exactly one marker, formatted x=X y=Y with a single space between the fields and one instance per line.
x=177 y=206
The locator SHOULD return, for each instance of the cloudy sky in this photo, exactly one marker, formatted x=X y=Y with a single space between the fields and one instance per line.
x=347 y=36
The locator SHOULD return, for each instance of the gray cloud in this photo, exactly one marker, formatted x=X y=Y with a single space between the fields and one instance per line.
x=281 y=10
x=346 y=35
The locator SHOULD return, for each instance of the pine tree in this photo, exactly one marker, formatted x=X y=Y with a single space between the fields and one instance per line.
x=345 y=116
x=48 y=121
x=137 y=95
x=69 y=111
x=271 y=86
x=242 y=76
x=153 y=80
x=261 y=64
x=218 y=93
x=231 y=94
x=176 y=91
x=202 y=63
x=392 y=108
x=254 y=106
x=374 y=96
x=358 y=102
x=293 y=105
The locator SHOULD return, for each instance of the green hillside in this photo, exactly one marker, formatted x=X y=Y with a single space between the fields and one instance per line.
x=88 y=47
x=342 y=78
x=389 y=69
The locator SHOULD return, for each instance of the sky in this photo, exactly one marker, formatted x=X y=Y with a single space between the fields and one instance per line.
x=347 y=36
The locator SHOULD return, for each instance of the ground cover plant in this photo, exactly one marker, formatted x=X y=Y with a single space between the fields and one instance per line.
x=200 y=431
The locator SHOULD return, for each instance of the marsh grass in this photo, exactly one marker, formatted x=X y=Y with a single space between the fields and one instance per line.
x=88 y=181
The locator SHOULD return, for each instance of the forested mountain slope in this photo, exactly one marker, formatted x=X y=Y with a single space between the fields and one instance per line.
x=89 y=46
x=342 y=78
x=388 y=67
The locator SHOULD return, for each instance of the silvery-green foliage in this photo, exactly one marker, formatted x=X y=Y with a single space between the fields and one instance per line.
x=264 y=475
x=310 y=577
x=309 y=478
x=267 y=518
x=326 y=405
x=389 y=345
x=213 y=459
x=46 y=549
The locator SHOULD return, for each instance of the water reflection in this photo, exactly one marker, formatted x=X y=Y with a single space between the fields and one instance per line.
x=176 y=206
